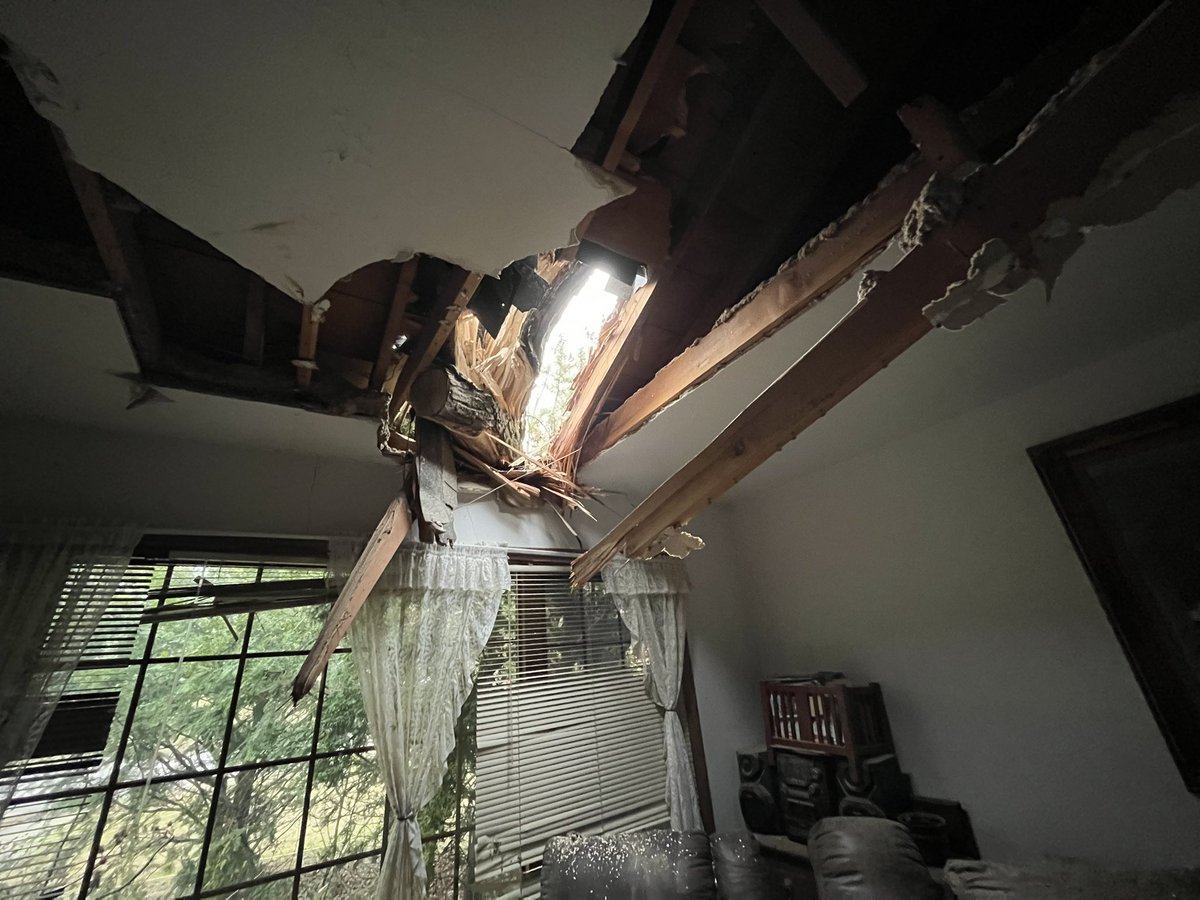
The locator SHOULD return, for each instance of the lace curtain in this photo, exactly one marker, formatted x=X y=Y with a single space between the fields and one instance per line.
x=56 y=582
x=649 y=596
x=416 y=644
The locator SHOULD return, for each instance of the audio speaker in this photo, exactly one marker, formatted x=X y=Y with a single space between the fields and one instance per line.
x=807 y=791
x=757 y=795
x=884 y=789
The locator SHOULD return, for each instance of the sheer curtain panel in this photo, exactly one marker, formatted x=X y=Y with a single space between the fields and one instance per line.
x=649 y=596
x=56 y=582
x=416 y=645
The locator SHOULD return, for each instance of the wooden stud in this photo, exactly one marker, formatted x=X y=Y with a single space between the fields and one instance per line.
x=455 y=296
x=389 y=534
x=310 y=326
x=255 y=332
x=1060 y=158
x=653 y=71
x=820 y=49
x=402 y=296
x=120 y=251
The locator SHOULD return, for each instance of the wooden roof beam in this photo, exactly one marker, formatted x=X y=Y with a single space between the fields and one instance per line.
x=402 y=296
x=818 y=47
x=1060 y=158
x=846 y=244
x=115 y=238
x=651 y=74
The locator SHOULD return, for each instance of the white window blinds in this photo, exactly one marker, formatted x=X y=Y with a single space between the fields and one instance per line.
x=566 y=737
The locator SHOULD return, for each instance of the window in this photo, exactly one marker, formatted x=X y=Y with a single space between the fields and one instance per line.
x=176 y=765
x=566 y=737
x=1129 y=496
x=205 y=778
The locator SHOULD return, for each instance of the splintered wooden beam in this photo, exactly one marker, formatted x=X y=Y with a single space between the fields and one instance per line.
x=115 y=238
x=852 y=240
x=452 y=300
x=653 y=71
x=819 y=269
x=820 y=49
x=1059 y=158
x=598 y=377
x=389 y=534
x=402 y=296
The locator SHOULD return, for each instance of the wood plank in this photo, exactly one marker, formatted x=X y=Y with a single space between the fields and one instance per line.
x=389 y=534
x=310 y=326
x=1058 y=159
x=654 y=69
x=598 y=377
x=453 y=299
x=402 y=296
x=824 y=265
x=858 y=236
x=254 y=335
x=437 y=483
x=821 y=50
x=117 y=241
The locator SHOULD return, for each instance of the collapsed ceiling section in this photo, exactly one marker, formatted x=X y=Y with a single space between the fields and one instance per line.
x=307 y=140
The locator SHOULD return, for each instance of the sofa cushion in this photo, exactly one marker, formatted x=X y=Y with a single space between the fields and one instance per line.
x=645 y=865
x=861 y=858
x=984 y=880
x=742 y=873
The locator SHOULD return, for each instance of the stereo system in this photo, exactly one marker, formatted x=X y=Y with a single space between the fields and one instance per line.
x=829 y=752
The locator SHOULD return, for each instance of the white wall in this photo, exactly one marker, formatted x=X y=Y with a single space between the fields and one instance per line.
x=936 y=565
x=51 y=470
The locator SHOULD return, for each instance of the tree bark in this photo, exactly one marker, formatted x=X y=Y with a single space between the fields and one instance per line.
x=444 y=396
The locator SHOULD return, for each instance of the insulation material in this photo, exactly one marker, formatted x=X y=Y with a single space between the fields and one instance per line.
x=306 y=140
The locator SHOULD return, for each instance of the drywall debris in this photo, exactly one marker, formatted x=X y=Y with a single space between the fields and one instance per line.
x=994 y=274
x=939 y=203
x=306 y=140
x=674 y=542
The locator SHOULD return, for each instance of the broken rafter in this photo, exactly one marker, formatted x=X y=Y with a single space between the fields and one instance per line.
x=402 y=296
x=846 y=244
x=1060 y=154
x=115 y=238
x=452 y=300
x=817 y=47
x=597 y=379
x=389 y=533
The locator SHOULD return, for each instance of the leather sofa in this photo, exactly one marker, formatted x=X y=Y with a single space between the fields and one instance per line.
x=876 y=859
x=655 y=865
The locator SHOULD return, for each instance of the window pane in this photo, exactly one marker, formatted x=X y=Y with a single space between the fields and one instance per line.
x=347 y=808
x=258 y=824
x=267 y=726
x=295 y=628
x=152 y=840
x=44 y=846
x=349 y=880
x=439 y=869
x=343 y=717
x=179 y=724
x=206 y=636
x=279 y=889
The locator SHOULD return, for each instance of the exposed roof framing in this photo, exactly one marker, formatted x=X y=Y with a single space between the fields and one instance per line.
x=820 y=49
x=1058 y=157
x=849 y=241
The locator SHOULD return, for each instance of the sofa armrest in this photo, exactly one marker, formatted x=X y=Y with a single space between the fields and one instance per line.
x=860 y=858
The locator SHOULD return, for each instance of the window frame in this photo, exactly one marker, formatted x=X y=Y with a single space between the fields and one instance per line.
x=1173 y=696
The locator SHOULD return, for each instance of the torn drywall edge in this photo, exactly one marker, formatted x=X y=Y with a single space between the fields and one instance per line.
x=1143 y=171
x=308 y=141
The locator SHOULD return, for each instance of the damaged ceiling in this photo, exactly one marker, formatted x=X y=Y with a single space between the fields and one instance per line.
x=307 y=140
x=252 y=158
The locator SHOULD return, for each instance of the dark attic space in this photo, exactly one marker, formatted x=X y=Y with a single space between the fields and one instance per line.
x=627 y=451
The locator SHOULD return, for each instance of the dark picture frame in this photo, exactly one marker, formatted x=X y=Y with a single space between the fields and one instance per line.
x=1128 y=494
